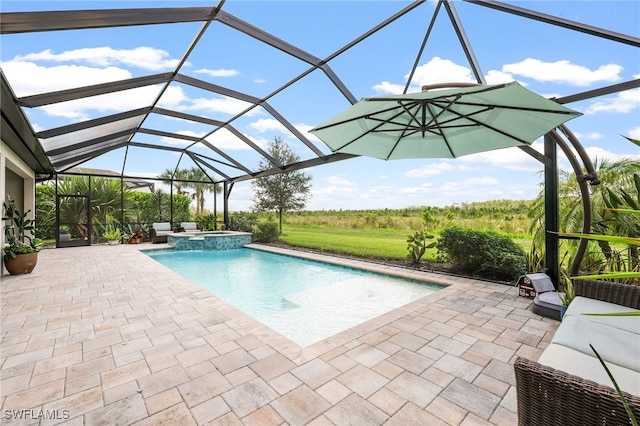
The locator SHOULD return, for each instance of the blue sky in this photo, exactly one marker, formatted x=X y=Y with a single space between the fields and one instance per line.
x=548 y=60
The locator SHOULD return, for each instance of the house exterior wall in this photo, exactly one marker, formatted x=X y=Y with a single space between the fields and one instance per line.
x=19 y=181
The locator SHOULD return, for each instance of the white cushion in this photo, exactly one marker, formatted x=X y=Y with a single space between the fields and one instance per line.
x=588 y=367
x=584 y=305
x=614 y=345
x=187 y=226
x=161 y=226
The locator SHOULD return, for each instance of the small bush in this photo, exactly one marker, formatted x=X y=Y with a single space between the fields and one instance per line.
x=265 y=232
x=487 y=254
x=242 y=222
x=207 y=222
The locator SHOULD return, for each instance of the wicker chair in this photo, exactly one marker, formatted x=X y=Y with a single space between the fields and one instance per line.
x=547 y=396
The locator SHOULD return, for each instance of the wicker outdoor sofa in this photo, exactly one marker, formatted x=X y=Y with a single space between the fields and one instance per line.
x=549 y=396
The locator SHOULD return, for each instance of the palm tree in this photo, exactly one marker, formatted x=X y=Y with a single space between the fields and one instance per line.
x=175 y=178
x=615 y=176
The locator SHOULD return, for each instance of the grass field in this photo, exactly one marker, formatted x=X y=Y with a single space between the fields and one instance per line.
x=382 y=243
x=383 y=233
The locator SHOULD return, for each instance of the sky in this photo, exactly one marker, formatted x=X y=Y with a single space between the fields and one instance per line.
x=548 y=60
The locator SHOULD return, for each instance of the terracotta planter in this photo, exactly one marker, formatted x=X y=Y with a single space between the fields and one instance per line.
x=22 y=264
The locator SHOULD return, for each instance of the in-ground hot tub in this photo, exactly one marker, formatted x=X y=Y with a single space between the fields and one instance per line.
x=208 y=240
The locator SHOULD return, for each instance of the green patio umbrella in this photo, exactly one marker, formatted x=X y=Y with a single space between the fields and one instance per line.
x=444 y=123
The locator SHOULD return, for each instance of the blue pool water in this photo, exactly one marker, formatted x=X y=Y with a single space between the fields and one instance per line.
x=304 y=300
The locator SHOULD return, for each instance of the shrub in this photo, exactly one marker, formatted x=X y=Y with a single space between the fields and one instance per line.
x=487 y=254
x=265 y=232
x=207 y=222
x=242 y=222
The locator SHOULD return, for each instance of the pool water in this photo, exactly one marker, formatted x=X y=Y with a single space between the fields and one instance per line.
x=304 y=300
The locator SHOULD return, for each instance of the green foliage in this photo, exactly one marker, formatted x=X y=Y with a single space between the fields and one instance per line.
x=140 y=209
x=16 y=231
x=266 y=232
x=418 y=245
x=112 y=234
x=207 y=222
x=488 y=254
x=535 y=259
x=243 y=222
x=281 y=192
x=45 y=212
x=569 y=293
x=193 y=178
x=504 y=216
x=620 y=187
x=111 y=229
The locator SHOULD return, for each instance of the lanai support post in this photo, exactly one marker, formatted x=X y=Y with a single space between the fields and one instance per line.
x=551 y=221
x=227 y=187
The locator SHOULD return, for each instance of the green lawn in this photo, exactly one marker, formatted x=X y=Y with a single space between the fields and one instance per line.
x=382 y=243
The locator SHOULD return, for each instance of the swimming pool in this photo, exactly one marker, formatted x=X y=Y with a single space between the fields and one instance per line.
x=304 y=300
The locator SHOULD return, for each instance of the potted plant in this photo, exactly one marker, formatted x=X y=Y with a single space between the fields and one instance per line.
x=135 y=237
x=64 y=234
x=20 y=250
x=112 y=235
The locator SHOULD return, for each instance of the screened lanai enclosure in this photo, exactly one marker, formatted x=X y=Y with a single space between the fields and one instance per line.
x=159 y=87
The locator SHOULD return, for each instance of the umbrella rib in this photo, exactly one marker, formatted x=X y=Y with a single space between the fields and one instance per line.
x=517 y=108
x=349 y=120
x=371 y=117
x=421 y=125
x=480 y=123
x=435 y=120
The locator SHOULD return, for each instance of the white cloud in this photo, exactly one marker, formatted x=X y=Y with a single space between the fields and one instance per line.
x=481 y=181
x=143 y=57
x=172 y=97
x=507 y=158
x=264 y=125
x=599 y=153
x=429 y=170
x=388 y=88
x=439 y=70
x=222 y=104
x=563 y=72
x=634 y=133
x=339 y=180
x=424 y=188
x=28 y=78
x=498 y=77
x=591 y=136
x=218 y=73
x=622 y=102
x=225 y=140
x=82 y=109
x=181 y=142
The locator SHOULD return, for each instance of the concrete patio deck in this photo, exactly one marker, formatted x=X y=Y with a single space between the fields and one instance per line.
x=105 y=335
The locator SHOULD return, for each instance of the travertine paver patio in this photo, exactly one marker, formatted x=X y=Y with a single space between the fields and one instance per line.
x=105 y=335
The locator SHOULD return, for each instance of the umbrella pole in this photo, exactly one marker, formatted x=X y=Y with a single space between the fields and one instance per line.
x=591 y=176
x=553 y=139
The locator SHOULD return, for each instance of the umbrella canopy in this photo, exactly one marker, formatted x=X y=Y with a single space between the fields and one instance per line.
x=444 y=123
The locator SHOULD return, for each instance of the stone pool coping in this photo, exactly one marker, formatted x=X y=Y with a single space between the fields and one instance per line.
x=113 y=337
